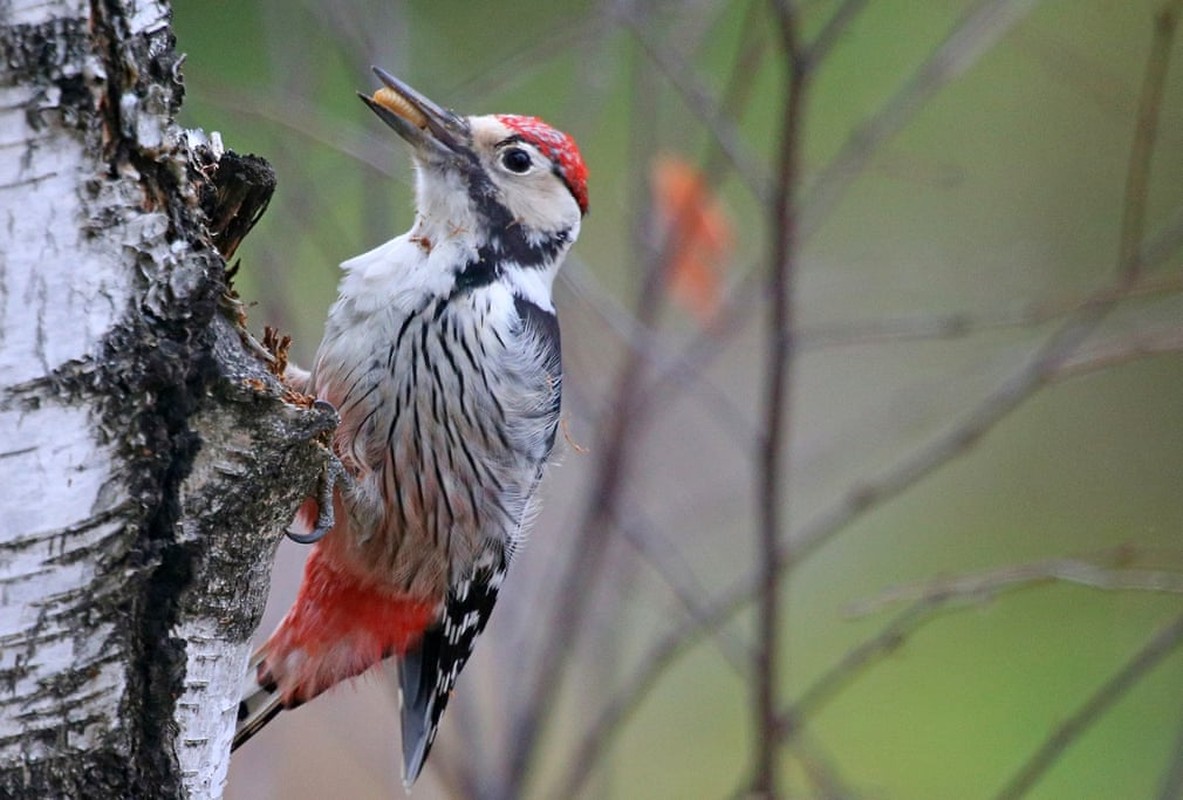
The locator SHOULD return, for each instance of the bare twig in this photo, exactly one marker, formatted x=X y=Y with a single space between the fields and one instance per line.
x=1130 y=348
x=520 y=63
x=588 y=752
x=982 y=26
x=821 y=770
x=856 y=661
x=1159 y=647
x=722 y=405
x=960 y=324
x=298 y=115
x=684 y=367
x=772 y=454
x=1097 y=573
x=958 y=440
x=1172 y=779
x=1133 y=221
x=662 y=555
x=1165 y=242
x=710 y=113
x=629 y=696
x=836 y=25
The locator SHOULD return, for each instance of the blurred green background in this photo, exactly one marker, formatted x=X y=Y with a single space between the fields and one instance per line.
x=1003 y=192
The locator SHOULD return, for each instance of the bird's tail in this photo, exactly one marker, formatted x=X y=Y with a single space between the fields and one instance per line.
x=420 y=703
x=259 y=705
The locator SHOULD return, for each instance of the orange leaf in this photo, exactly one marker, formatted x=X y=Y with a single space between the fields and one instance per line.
x=698 y=233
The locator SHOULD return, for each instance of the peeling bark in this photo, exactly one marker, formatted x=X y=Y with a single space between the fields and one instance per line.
x=147 y=455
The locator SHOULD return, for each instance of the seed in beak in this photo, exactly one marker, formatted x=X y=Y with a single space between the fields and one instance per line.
x=395 y=103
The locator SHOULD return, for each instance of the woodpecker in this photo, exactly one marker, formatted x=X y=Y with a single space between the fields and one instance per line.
x=441 y=356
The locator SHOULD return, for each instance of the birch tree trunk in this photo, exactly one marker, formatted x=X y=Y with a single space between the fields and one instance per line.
x=148 y=458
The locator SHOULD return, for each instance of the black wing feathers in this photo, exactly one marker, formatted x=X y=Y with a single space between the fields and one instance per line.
x=428 y=673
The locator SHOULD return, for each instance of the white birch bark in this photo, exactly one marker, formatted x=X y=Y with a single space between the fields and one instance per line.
x=147 y=461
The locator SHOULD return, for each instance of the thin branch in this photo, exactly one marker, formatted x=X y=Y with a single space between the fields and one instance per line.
x=773 y=462
x=821 y=770
x=926 y=602
x=983 y=25
x=1124 y=351
x=684 y=368
x=1172 y=779
x=722 y=406
x=558 y=41
x=923 y=609
x=1165 y=243
x=691 y=22
x=957 y=441
x=611 y=716
x=856 y=661
x=711 y=113
x=957 y=325
x=625 y=702
x=299 y=116
x=1137 y=191
x=977 y=586
x=836 y=25
x=1161 y=645
x=662 y=556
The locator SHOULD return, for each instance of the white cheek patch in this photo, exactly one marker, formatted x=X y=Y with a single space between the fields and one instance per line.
x=539 y=200
x=540 y=203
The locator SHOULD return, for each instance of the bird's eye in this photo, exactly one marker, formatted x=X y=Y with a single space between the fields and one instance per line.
x=516 y=160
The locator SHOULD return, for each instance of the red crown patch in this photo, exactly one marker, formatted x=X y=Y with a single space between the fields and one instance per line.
x=559 y=147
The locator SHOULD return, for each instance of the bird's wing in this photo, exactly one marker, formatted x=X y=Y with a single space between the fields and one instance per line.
x=428 y=672
x=542 y=329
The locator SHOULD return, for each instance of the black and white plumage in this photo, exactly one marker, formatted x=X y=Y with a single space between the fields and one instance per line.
x=427 y=674
x=442 y=358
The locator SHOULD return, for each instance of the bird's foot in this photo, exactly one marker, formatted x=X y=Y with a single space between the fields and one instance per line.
x=334 y=474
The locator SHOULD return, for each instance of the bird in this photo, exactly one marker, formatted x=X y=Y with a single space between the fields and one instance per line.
x=441 y=356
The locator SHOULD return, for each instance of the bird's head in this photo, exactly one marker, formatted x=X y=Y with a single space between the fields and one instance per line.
x=516 y=178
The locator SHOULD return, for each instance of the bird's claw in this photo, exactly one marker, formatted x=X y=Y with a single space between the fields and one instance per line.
x=333 y=474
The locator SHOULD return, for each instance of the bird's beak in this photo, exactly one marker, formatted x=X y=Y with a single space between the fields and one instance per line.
x=424 y=124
